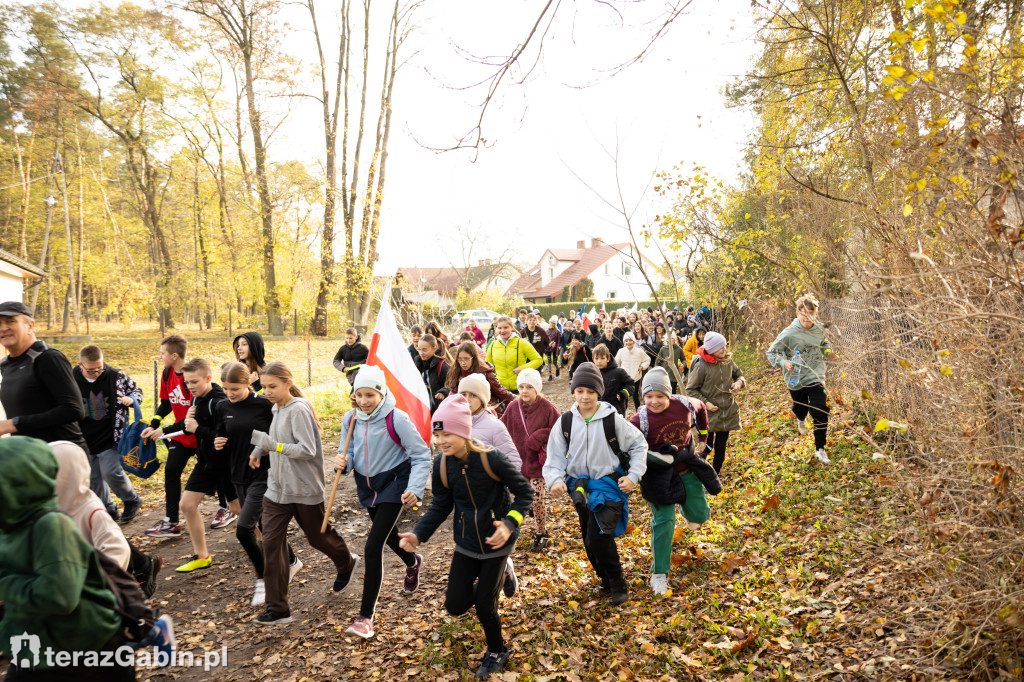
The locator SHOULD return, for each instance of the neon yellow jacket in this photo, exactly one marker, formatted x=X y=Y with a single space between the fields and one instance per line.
x=505 y=357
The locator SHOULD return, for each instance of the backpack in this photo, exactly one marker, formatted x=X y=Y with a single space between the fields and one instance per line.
x=137 y=616
x=483 y=460
x=645 y=423
x=138 y=455
x=609 y=435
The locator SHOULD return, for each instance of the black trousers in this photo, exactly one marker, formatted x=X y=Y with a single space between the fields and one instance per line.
x=177 y=457
x=383 y=531
x=717 y=441
x=601 y=551
x=813 y=399
x=476 y=582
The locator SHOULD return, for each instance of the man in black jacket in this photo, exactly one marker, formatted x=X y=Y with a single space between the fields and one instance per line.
x=38 y=391
x=351 y=356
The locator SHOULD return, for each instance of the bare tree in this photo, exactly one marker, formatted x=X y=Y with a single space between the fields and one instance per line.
x=475 y=248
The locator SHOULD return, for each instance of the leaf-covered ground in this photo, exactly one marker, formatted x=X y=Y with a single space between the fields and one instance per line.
x=784 y=582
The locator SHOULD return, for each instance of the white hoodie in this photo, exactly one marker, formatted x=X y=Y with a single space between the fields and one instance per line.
x=76 y=499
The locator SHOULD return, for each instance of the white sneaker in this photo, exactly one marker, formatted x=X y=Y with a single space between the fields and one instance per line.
x=294 y=568
x=659 y=583
x=801 y=427
x=822 y=457
x=259 y=597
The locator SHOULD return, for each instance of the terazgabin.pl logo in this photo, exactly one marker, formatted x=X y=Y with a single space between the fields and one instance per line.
x=25 y=650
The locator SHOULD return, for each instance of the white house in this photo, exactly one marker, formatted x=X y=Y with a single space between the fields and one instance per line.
x=13 y=273
x=611 y=267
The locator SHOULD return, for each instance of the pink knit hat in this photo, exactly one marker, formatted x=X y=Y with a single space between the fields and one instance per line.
x=454 y=416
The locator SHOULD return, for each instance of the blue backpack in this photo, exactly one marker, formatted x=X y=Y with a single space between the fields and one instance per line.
x=138 y=455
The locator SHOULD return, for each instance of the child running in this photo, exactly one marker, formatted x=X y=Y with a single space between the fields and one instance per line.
x=433 y=369
x=800 y=350
x=632 y=358
x=212 y=471
x=468 y=361
x=529 y=421
x=295 y=490
x=618 y=385
x=487 y=428
x=472 y=479
x=174 y=399
x=582 y=454
x=675 y=475
x=391 y=464
x=237 y=417
x=714 y=379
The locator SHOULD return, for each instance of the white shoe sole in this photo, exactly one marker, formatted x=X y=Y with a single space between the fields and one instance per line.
x=293 y=569
x=352 y=631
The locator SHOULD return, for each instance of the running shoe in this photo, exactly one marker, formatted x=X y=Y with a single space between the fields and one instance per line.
x=165 y=529
x=269 y=617
x=224 y=518
x=412 y=575
x=195 y=563
x=363 y=627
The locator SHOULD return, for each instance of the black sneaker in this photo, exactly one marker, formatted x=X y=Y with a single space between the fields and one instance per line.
x=493 y=663
x=131 y=510
x=511 y=585
x=540 y=541
x=116 y=515
x=619 y=597
x=558 y=371
x=343 y=579
x=269 y=617
x=606 y=587
x=148 y=585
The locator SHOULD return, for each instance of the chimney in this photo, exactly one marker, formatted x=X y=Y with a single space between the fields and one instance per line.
x=581 y=244
x=596 y=242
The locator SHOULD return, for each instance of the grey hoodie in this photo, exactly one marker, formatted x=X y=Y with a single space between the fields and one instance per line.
x=296 y=454
x=813 y=346
x=589 y=454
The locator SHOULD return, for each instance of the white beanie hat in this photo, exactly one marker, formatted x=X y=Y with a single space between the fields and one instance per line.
x=530 y=377
x=629 y=335
x=713 y=342
x=477 y=385
x=370 y=376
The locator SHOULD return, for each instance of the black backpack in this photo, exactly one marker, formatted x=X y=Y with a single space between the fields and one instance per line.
x=137 y=616
x=608 y=423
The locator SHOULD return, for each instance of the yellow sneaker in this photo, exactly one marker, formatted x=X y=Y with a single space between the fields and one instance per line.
x=194 y=564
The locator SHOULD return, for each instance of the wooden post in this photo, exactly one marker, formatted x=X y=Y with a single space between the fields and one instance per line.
x=295 y=324
x=156 y=389
x=309 y=362
x=231 y=310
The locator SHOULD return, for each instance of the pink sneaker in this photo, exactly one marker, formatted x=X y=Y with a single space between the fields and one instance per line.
x=363 y=627
x=412 y=575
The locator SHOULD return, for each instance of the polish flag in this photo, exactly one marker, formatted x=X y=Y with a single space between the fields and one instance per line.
x=388 y=351
x=593 y=313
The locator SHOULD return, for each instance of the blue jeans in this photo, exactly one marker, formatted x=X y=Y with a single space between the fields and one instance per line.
x=107 y=471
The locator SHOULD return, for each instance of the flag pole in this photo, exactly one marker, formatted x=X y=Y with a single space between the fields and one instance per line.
x=337 y=475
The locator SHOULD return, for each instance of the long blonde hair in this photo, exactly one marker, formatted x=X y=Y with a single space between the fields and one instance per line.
x=279 y=370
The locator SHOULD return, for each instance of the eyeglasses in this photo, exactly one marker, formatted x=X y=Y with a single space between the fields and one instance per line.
x=96 y=371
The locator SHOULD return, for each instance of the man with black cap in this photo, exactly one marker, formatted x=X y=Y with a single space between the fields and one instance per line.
x=38 y=391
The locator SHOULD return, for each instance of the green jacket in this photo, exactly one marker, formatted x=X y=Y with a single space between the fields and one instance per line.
x=52 y=587
x=710 y=383
x=813 y=346
x=505 y=357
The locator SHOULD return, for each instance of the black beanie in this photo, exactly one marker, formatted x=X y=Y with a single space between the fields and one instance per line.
x=589 y=376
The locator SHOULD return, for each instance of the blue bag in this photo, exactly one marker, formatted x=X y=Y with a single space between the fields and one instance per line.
x=138 y=456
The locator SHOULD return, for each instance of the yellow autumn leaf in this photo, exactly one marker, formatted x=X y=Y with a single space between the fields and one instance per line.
x=928 y=76
x=895 y=70
x=647 y=648
x=905 y=364
x=960 y=18
x=882 y=425
x=746 y=216
x=946 y=369
x=907 y=210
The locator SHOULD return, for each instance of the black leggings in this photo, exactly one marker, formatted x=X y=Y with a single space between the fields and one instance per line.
x=138 y=563
x=177 y=457
x=383 y=531
x=717 y=441
x=476 y=582
x=814 y=400
x=250 y=498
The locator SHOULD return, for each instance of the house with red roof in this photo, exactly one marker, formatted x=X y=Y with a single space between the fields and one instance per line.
x=440 y=286
x=611 y=267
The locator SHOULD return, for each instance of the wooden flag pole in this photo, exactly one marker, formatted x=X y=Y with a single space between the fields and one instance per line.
x=337 y=476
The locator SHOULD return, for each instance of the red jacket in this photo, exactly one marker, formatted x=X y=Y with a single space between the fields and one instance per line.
x=529 y=426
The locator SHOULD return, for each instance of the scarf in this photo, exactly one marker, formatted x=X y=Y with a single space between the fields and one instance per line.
x=711 y=359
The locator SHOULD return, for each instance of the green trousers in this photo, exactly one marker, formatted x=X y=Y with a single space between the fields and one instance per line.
x=663 y=521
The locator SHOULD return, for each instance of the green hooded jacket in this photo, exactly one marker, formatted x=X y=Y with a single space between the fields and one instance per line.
x=813 y=346
x=52 y=587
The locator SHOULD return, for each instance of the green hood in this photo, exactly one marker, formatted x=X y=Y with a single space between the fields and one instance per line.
x=28 y=476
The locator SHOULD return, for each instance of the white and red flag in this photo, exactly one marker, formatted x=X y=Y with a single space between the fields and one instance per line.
x=389 y=352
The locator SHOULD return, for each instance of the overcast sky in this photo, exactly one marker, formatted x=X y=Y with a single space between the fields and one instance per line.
x=665 y=110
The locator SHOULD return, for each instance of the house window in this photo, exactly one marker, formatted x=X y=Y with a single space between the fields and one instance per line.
x=551 y=273
x=606 y=268
x=551 y=261
x=627 y=269
x=612 y=294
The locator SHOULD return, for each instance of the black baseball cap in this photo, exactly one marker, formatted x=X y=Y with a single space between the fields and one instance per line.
x=13 y=308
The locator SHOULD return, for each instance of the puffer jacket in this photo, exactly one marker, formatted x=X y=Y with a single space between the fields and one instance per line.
x=384 y=469
x=489 y=430
x=616 y=381
x=710 y=382
x=691 y=346
x=478 y=501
